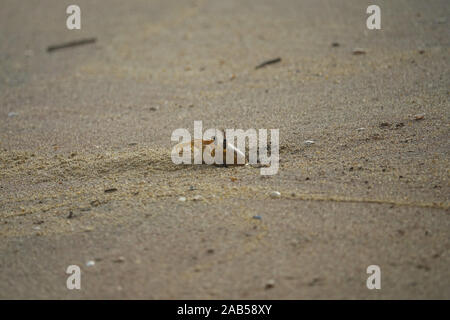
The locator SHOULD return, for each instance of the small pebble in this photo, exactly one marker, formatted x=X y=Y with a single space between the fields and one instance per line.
x=119 y=259
x=309 y=142
x=335 y=44
x=13 y=114
x=275 y=194
x=420 y=116
x=198 y=198
x=90 y=263
x=270 y=284
x=360 y=129
x=182 y=199
x=257 y=217
x=110 y=190
x=358 y=51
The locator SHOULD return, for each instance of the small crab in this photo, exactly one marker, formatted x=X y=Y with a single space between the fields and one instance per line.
x=211 y=146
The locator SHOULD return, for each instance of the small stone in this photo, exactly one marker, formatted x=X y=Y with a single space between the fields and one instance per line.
x=270 y=284
x=360 y=129
x=420 y=116
x=182 y=199
x=109 y=190
x=275 y=194
x=95 y=203
x=198 y=198
x=90 y=263
x=12 y=114
x=384 y=124
x=257 y=217
x=191 y=188
x=309 y=142
x=119 y=259
x=335 y=44
x=37 y=228
x=358 y=51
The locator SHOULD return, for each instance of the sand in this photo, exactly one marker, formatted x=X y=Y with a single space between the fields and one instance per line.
x=86 y=173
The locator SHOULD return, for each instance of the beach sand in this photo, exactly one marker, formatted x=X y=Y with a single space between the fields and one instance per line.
x=86 y=173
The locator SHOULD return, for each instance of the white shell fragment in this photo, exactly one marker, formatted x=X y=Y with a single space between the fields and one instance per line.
x=275 y=194
x=90 y=263
x=182 y=199
x=309 y=142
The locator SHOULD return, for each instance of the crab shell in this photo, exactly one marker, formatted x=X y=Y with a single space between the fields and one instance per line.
x=211 y=147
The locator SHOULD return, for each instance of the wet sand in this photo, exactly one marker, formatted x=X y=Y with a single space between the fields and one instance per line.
x=86 y=174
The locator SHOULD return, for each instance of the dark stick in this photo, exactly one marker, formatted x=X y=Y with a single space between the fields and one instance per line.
x=265 y=63
x=71 y=44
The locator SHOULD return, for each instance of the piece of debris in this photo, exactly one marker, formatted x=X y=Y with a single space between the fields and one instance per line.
x=182 y=199
x=421 y=51
x=132 y=144
x=191 y=188
x=95 y=203
x=90 y=263
x=275 y=194
x=110 y=190
x=210 y=251
x=399 y=125
x=315 y=281
x=12 y=114
x=270 y=284
x=360 y=129
x=385 y=125
x=268 y=62
x=70 y=216
x=309 y=142
x=420 y=116
x=257 y=217
x=358 y=51
x=71 y=44
x=335 y=44
x=37 y=228
x=233 y=179
x=198 y=198
x=119 y=259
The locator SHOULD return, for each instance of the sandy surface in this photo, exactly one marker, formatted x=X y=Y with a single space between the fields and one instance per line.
x=79 y=121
